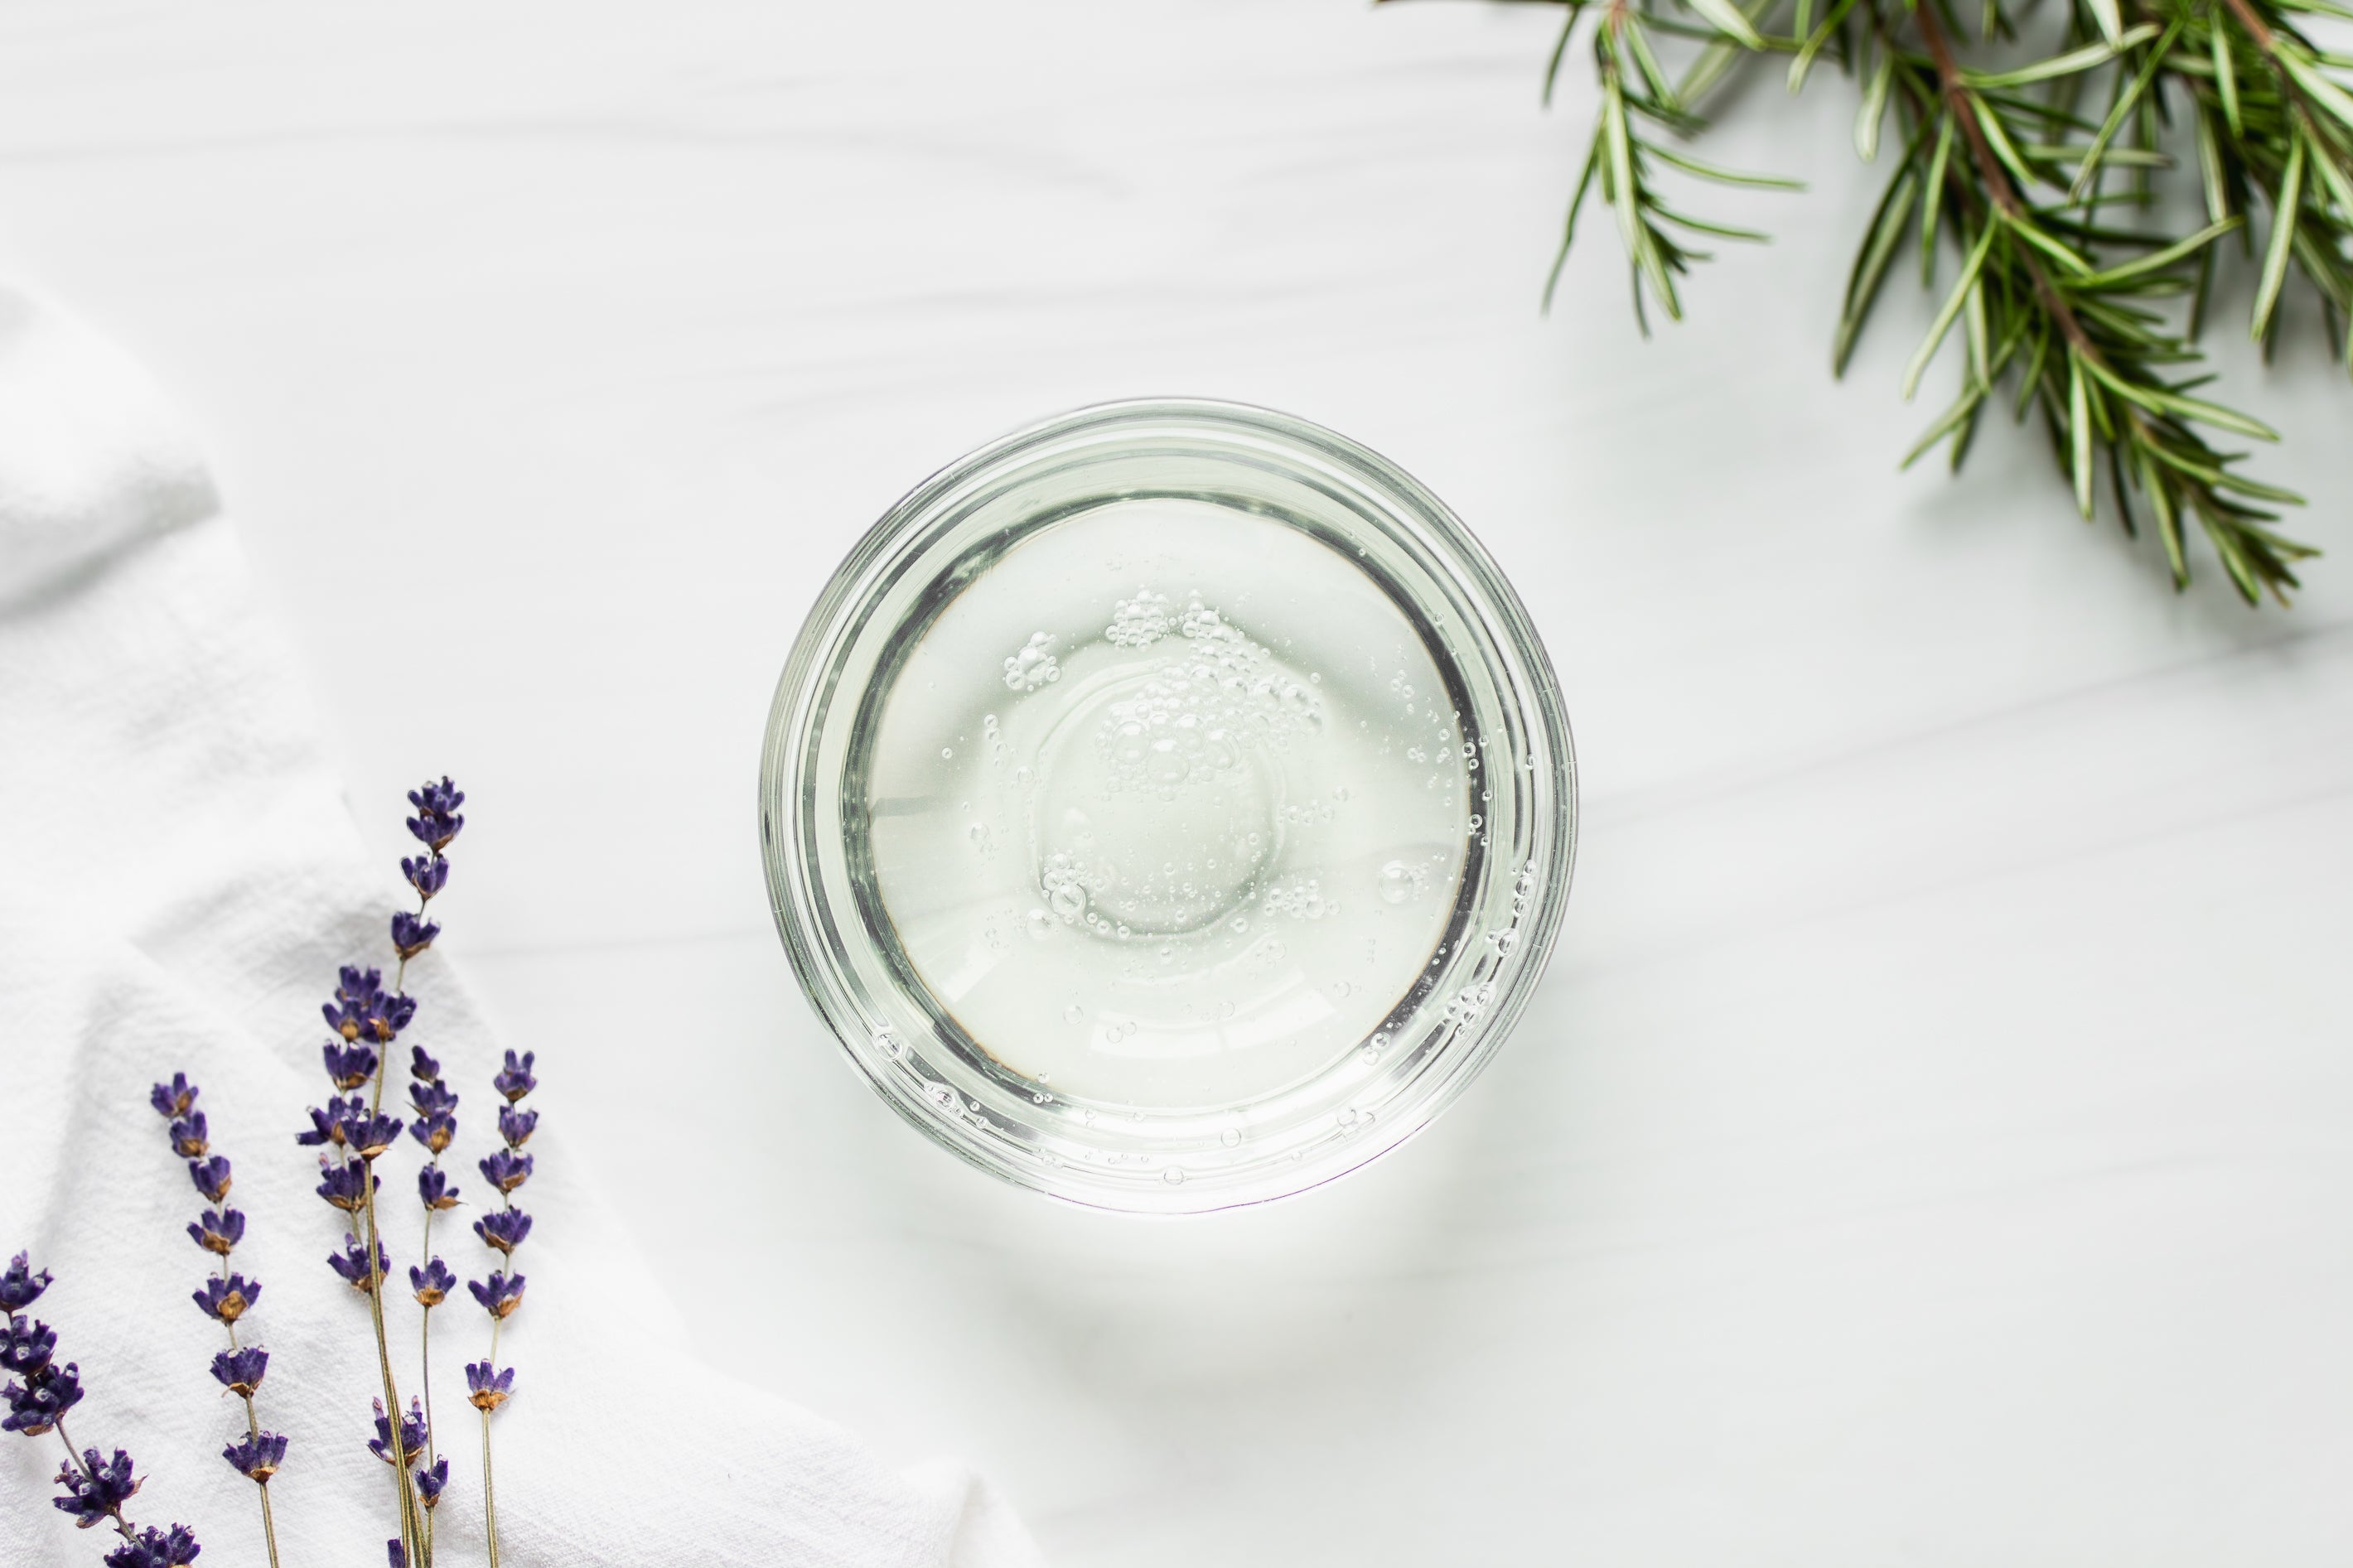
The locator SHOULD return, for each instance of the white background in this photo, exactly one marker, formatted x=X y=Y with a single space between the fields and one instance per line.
x=1930 y=1143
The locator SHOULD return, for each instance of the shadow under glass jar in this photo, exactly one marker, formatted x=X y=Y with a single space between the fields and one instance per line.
x=1169 y=807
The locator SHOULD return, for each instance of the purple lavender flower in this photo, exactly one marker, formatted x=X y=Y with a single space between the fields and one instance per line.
x=346 y=1183
x=328 y=1125
x=371 y=1134
x=362 y=1010
x=500 y=1296
x=176 y=1098
x=25 y=1346
x=189 y=1135
x=96 y=1491
x=412 y=934
x=35 y=1406
x=241 y=1371
x=412 y=1434
x=395 y=1553
x=211 y=1176
x=432 y=1283
x=351 y=1065
x=428 y=874
x=506 y=1170
x=359 y=996
x=352 y=1263
x=486 y=1389
x=434 y=1131
x=228 y=1299
x=421 y=1066
x=20 y=1287
x=516 y=1126
x=436 y=821
x=257 y=1456
x=430 y=1479
x=433 y=1188
x=218 y=1233
x=504 y=1228
x=431 y=1097
x=153 y=1548
x=515 y=1080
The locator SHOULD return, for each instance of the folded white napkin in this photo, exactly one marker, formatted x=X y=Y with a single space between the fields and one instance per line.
x=179 y=880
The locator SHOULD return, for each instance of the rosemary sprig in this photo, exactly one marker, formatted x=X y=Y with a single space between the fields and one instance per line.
x=2075 y=306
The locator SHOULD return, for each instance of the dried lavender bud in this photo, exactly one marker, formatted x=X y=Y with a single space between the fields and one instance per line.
x=218 y=1233
x=98 y=1491
x=433 y=1188
x=348 y=1067
x=370 y=1135
x=488 y=1390
x=434 y=1131
x=20 y=1287
x=362 y=1010
x=506 y=1170
x=176 y=1098
x=156 y=1548
x=430 y=1479
x=421 y=1066
x=346 y=1183
x=46 y=1395
x=436 y=821
x=428 y=874
x=500 y=1296
x=352 y=1263
x=516 y=1126
x=211 y=1176
x=257 y=1456
x=25 y=1346
x=515 y=1080
x=395 y=1554
x=228 y=1299
x=359 y=995
x=328 y=1125
x=412 y=934
x=411 y=1433
x=188 y=1135
x=241 y=1371
x=432 y=1283
x=504 y=1228
x=431 y=1097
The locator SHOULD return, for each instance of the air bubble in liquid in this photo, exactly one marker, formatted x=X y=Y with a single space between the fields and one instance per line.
x=1395 y=882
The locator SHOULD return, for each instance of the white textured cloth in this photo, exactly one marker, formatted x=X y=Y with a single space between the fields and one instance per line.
x=179 y=879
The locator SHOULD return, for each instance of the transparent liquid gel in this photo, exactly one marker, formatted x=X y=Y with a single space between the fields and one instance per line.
x=1169 y=808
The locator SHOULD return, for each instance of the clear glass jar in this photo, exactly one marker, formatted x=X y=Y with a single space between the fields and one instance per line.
x=1169 y=807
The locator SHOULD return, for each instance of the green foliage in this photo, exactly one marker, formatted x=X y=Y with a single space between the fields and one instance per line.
x=2046 y=182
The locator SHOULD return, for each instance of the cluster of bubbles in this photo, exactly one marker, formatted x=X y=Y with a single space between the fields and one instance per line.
x=1140 y=622
x=1192 y=718
x=1465 y=1005
x=1034 y=666
x=1301 y=898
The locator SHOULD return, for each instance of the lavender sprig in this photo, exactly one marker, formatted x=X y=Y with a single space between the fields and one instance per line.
x=354 y=1132
x=435 y=1104
x=226 y=1296
x=94 y=1489
x=489 y=1386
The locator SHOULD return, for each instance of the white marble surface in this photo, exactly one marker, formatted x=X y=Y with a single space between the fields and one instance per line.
x=1930 y=1144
